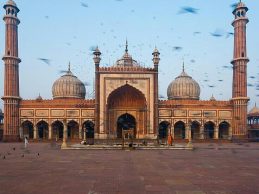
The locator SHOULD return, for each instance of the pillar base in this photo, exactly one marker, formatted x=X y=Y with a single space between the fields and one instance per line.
x=64 y=145
x=11 y=138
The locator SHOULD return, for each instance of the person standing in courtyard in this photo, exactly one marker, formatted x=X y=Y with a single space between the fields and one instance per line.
x=26 y=142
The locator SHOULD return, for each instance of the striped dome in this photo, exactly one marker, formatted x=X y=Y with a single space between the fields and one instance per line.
x=183 y=87
x=68 y=86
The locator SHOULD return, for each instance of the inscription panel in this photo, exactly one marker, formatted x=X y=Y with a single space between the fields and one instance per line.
x=42 y=113
x=167 y=113
x=225 y=114
x=208 y=113
x=27 y=113
x=87 y=113
x=73 y=113
x=180 y=113
x=57 y=113
x=195 y=113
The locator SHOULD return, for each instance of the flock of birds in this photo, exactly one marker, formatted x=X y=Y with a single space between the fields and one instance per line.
x=253 y=80
x=14 y=152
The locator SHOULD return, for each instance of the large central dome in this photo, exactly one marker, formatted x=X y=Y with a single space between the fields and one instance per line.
x=68 y=86
x=183 y=87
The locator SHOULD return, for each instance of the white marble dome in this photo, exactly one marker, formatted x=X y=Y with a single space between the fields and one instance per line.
x=183 y=87
x=68 y=86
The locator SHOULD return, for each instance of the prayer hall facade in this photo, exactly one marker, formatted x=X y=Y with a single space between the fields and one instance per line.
x=126 y=98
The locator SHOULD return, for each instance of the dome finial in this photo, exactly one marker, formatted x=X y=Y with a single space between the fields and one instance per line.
x=183 y=65
x=69 y=66
x=126 y=50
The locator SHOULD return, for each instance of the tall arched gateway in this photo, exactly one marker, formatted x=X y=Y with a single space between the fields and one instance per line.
x=127 y=109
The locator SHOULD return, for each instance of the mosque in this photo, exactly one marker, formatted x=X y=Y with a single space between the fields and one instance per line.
x=126 y=99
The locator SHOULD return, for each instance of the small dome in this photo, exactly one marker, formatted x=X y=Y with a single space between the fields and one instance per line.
x=39 y=98
x=183 y=87
x=68 y=86
x=212 y=98
x=11 y=3
x=254 y=110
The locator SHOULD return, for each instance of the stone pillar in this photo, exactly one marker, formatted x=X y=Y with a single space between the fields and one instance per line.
x=80 y=132
x=50 y=132
x=216 y=132
x=186 y=131
x=64 y=143
x=202 y=132
x=35 y=132
x=84 y=130
x=172 y=131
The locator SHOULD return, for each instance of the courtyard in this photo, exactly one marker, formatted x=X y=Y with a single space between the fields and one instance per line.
x=209 y=168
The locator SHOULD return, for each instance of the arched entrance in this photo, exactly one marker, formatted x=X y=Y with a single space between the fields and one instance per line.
x=209 y=128
x=43 y=130
x=195 y=129
x=73 y=130
x=224 y=130
x=163 y=129
x=126 y=122
x=27 y=127
x=179 y=130
x=126 y=107
x=57 y=127
x=89 y=129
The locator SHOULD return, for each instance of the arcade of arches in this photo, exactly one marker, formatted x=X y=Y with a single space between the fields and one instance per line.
x=42 y=130
x=208 y=131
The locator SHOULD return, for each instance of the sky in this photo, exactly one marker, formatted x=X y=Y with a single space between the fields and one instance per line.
x=68 y=30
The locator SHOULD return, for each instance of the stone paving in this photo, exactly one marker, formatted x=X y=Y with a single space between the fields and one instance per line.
x=210 y=168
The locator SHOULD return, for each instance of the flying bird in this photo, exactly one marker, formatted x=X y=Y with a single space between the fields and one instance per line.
x=229 y=34
x=44 y=60
x=217 y=33
x=84 y=4
x=177 y=48
x=187 y=9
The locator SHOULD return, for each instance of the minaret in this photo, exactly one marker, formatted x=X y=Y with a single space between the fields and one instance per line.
x=11 y=60
x=239 y=87
x=156 y=60
x=97 y=59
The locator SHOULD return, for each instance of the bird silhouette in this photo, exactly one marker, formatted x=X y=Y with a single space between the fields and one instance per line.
x=84 y=4
x=47 y=61
x=188 y=9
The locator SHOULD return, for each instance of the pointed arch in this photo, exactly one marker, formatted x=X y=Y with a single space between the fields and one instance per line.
x=163 y=129
x=27 y=128
x=179 y=130
x=57 y=127
x=224 y=130
x=43 y=129
x=72 y=130
x=195 y=129
x=209 y=128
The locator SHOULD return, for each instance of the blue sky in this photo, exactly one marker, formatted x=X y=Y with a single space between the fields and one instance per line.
x=64 y=30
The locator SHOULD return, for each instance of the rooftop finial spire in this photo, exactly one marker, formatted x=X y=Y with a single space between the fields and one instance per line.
x=126 y=50
x=69 y=66
x=183 y=65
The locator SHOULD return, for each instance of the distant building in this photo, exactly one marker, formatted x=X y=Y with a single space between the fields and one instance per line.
x=253 y=123
x=126 y=98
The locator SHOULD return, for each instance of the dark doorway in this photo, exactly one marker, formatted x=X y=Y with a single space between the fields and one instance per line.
x=224 y=130
x=73 y=130
x=58 y=127
x=89 y=129
x=163 y=129
x=126 y=122
x=27 y=129
x=43 y=130
x=195 y=129
x=179 y=130
x=209 y=130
